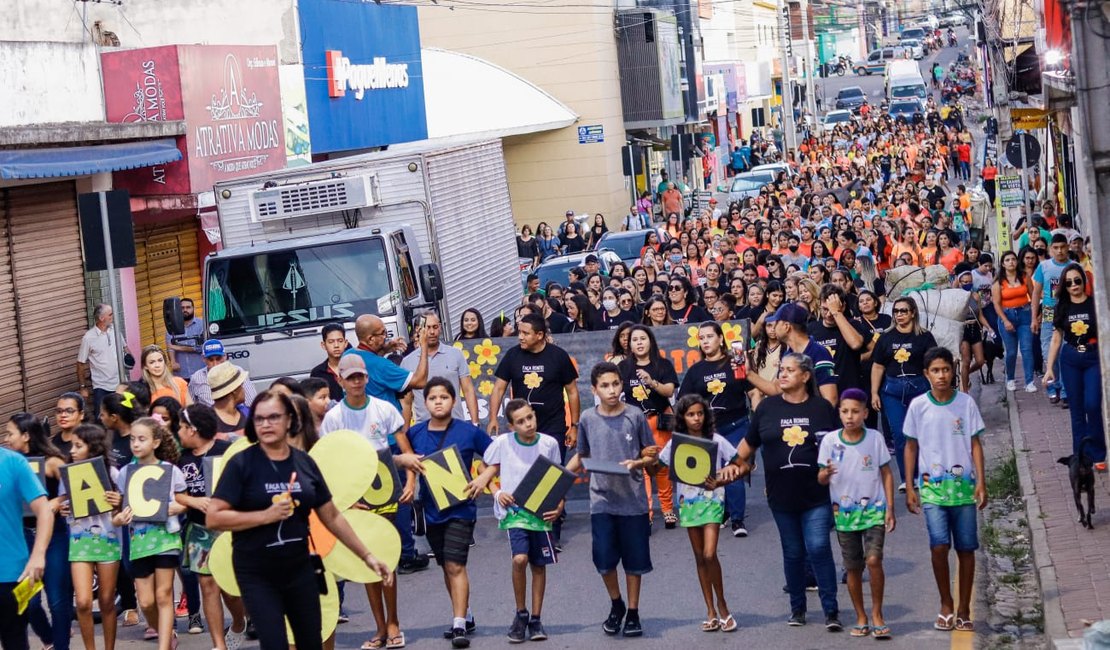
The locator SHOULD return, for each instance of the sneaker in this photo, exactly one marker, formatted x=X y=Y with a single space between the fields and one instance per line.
x=738 y=529
x=1053 y=398
x=811 y=587
x=182 y=609
x=832 y=623
x=612 y=625
x=1011 y=385
x=458 y=638
x=632 y=627
x=412 y=564
x=1100 y=467
x=343 y=617
x=536 y=631
x=519 y=627
x=470 y=627
x=232 y=639
x=902 y=488
x=797 y=619
x=195 y=625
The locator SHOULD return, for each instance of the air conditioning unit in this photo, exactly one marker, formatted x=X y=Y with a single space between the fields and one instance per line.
x=316 y=197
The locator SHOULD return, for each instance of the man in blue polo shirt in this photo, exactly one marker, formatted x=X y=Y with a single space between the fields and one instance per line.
x=19 y=485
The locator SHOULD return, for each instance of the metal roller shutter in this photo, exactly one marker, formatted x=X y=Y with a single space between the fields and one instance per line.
x=11 y=362
x=169 y=265
x=49 y=287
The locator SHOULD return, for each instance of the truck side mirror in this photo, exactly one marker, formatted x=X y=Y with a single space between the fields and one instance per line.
x=431 y=282
x=171 y=316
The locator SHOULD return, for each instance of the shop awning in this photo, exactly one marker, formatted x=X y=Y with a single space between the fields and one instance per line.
x=468 y=97
x=81 y=161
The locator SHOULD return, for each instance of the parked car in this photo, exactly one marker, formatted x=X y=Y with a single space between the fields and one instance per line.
x=557 y=268
x=775 y=169
x=748 y=185
x=916 y=49
x=850 y=98
x=906 y=110
x=876 y=60
x=627 y=245
x=953 y=20
x=832 y=118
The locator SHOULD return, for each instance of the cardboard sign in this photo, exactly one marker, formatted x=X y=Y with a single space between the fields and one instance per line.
x=692 y=459
x=148 y=493
x=544 y=485
x=387 y=485
x=213 y=467
x=605 y=467
x=446 y=477
x=38 y=466
x=86 y=483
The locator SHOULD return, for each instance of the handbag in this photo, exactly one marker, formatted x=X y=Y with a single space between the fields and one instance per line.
x=317 y=567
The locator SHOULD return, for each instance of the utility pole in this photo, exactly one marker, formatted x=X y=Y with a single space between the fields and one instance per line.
x=1090 y=51
x=811 y=97
x=790 y=135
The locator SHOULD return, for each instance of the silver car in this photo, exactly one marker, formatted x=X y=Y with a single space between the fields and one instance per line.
x=748 y=185
x=915 y=47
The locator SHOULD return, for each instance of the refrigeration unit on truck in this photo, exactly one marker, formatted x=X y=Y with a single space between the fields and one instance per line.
x=388 y=233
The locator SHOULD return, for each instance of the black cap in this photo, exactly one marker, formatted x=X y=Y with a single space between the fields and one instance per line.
x=591 y=259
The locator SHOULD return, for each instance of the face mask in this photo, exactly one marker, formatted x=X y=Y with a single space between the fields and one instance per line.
x=609 y=304
x=676 y=259
x=967 y=287
x=793 y=248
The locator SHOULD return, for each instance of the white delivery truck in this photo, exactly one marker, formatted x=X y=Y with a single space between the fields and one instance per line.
x=385 y=233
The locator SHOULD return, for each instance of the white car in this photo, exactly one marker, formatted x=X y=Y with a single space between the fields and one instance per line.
x=832 y=118
x=915 y=47
x=774 y=169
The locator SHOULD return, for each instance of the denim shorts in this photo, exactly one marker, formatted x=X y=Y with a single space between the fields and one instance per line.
x=957 y=526
x=621 y=539
x=537 y=545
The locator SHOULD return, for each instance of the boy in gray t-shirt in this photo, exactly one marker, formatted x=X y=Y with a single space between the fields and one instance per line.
x=611 y=431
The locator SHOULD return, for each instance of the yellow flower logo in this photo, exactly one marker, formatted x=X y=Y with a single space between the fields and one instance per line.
x=639 y=393
x=832 y=352
x=715 y=387
x=475 y=369
x=902 y=355
x=459 y=346
x=732 y=333
x=532 y=380
x=487 y=352
x=1079 y=328
x=794 y=435
x=693 y=341
x=485 y=388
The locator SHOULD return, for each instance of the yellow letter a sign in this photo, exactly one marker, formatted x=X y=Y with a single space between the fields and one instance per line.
x=86 y=482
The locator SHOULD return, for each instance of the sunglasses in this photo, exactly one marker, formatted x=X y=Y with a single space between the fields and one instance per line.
x=1074 y=282
x=676 y=287
x=902 y=310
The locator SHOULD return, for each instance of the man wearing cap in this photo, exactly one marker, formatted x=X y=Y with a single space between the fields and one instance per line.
x=199 y=388
x=185 y=348
x=225 y=381
x=790 y=320
x=563 y=226
x=592 y=264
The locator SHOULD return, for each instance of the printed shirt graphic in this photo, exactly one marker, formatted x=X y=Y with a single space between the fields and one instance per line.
x=856 y=489
x=699 y=506
x=1048 y=273
x=943 y=433
x=515 y=459
x=376 y=421
x=539 y=378
x=94 y=538
x=148 y=538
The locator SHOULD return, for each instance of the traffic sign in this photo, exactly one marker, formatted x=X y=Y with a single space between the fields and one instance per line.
x=1014 y=148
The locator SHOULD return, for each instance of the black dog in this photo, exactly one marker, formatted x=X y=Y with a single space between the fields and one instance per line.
x=1081 y=473
x=992 y=351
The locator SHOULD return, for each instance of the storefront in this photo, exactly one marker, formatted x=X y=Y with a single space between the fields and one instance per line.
x=231 y=102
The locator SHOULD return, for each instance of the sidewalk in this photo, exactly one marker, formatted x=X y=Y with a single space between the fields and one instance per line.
x=1073 y=563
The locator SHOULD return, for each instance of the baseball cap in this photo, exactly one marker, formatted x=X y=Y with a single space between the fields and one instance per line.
x=712 y=200
x=591 y=259
x=213 y=348
x=569 y=213
x=351 y=364
x=224 y=378
x=791 y=313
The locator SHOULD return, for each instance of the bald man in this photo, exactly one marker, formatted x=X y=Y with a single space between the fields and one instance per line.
x=387 y=379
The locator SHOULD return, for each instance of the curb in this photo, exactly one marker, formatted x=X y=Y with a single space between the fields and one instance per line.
x=1055 y=630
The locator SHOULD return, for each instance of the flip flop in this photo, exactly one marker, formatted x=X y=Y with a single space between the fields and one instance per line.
x=729 y=624
x=374 y=644
x=945 y=623
x=395 y=642
x=881 y=632
x=712 y=625
x=965 y=625
x=860 y=631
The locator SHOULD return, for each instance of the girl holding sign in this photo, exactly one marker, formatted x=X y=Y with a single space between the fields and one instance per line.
x=155 y=545
x=94 y=544
x=701 y=508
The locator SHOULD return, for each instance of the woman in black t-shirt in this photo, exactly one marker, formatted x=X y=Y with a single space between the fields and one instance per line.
x=264 y=497
x=649 y=382
x=715 y=379
x=898 y=372
x=1075 y=344
x=873 y=324
x=570 y=241
x=682 y=302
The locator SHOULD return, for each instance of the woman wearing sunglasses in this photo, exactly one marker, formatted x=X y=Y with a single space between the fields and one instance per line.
x=1075 y=344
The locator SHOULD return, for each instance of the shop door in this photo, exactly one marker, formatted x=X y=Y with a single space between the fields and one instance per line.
x=168 y=266
x=48 y=286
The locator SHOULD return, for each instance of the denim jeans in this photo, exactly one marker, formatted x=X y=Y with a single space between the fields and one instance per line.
x=896 y=395
x=736 y=493
x=805 y=535
x=1019 y=339
x=1056 y=387
x=1082 y=378
x=58 y=590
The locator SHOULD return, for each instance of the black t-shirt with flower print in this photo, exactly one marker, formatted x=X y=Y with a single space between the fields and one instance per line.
x=1078 y=325
x=717 y=383
x=641 y=395
x=539 y=378
x=902 y=354
x=787 y=435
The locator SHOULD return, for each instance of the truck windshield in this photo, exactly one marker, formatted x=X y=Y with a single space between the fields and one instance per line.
x=297 y=287
x=914 y=90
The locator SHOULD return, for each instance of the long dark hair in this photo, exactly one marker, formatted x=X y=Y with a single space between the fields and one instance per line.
x=709 y=425
x=125 y=406
x=286 y=403
x=173 y=407
x=39 y=443
x=96 y=439
x=616 y=350
x=1019 y=271
x=1063 y=298
x=307 y=428
x=479 y=333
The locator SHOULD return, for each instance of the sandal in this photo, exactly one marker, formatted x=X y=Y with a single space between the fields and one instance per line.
x=881 y=631
x=729 y=624
x=945 y=623
x=396 y=641
x=965 y=625
x=712 y=625
x=859 y=631
x=670 y=519
x=374 y=644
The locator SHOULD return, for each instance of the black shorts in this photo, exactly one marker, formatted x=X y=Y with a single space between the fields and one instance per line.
x=450 y=541
x=144 y=567
x=973 y=333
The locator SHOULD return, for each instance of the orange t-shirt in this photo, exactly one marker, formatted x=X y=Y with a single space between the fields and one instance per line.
x=166 y=391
